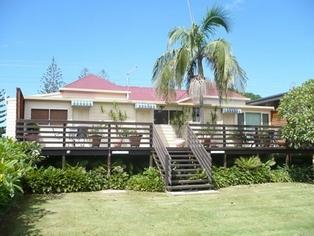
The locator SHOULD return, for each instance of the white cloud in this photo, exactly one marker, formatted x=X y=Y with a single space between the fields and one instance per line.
x=234 y=5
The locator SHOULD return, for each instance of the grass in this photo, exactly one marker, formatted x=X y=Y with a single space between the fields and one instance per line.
x=268 y=209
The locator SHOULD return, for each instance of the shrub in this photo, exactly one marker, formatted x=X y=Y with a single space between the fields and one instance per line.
x=301 y=174
x=150 y=181
x=16 y=159
x=297 y=107
x=280 y=175
x=118 y=178
x=69 y=179
x=253 y=171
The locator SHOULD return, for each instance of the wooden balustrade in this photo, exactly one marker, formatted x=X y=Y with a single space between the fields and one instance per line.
x=200 y=153
x=66 y=133
x=244 y=136
x=163 y=155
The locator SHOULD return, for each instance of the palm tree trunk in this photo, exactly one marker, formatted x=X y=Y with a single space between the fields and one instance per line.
x=201 y=76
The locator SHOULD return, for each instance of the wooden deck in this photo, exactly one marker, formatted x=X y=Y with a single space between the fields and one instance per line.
x=97 y=138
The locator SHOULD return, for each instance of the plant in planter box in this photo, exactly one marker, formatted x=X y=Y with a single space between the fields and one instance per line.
x=179 y=121
x=96 y=136
x=32 y=131
x=209 y=129
x=117 y=115
x=134 y=138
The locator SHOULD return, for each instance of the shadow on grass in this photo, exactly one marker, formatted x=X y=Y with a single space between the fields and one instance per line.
x=22 y=217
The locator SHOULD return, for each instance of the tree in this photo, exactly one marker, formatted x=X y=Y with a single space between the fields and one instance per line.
x=252 y=96
x=297 y=107
x=2 y=112
x=84 y=73
x=51 y=81
x=103 y=74
x=185 y=63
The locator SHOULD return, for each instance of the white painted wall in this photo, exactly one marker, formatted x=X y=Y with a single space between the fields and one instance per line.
x=44 y=104
x=11 y=117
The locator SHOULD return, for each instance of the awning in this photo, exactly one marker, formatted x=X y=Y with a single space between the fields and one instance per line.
x=82 y=103
x=145 y=106
x=231 y=110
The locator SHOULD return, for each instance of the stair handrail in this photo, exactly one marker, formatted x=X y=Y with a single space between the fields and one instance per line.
x=199 y=151
x=162 y=154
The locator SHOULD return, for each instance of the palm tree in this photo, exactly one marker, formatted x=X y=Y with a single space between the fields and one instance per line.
x=183 y=62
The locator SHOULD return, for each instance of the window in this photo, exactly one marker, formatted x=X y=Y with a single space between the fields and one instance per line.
x=265 y=119
x=253 y=118
x=40 y=114
x=58 y=114
x=46 y=114
x=196 y=114
x=240 y=118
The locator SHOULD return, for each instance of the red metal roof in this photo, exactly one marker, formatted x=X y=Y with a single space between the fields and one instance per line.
x=93 y=82
x=137 y=93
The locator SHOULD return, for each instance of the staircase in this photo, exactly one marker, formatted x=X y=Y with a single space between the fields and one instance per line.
x=179 y=167
x=185 y=171
x=167 y=135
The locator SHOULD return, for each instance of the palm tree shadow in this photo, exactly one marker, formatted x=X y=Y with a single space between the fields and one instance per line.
x=23 y=217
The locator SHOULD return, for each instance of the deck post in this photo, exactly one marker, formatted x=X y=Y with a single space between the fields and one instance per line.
x=288 y=158
x=63 y=134
x=109 y=136
x=225 y=160
x=224 y=136
x=63 y=162
x=109 y=163
x=151 y=160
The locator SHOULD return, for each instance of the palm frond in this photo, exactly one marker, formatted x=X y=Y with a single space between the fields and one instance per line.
x=178 y=34
x=163 y=78
x=181 y=64
x=227 y=72
x=215 y=18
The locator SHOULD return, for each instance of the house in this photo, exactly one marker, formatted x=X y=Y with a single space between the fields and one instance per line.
x=91 y=98
x=274 y=101
x=81 y=121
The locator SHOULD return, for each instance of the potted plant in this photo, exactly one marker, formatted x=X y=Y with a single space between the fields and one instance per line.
x=179 y=122
x=96 y=136
x=134 y=138
x=32 y=132
x=117 y=115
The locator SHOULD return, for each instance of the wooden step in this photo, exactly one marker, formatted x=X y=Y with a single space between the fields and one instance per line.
x=187 y=165
x=184 y=160
x=186 y=170
x=189 y=181
x=177 y=176
x=188 y=187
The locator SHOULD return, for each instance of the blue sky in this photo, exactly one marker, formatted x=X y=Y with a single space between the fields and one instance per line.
x=272 y=39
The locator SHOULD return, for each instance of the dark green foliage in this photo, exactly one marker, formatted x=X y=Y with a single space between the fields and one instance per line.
x=149 y=181
x=244 y=173
x=118 y=178
x=2 y=110
x=75 y=179
x=297 y=107
x=52 y=79
x=16 y=160
x=252 y=96
x=69 y=179
x=302 y=174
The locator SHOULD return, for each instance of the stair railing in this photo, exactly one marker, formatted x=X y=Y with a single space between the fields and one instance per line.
x=202 y=156
x=162 y=154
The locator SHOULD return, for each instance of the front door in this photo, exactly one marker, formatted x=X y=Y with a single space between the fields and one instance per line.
x=161 y=117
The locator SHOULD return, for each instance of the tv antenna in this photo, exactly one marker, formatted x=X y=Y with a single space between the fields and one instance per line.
x=128 y=75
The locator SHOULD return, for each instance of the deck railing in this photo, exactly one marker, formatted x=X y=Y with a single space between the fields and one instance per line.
x=235 y=136
x=202 y=156
x=68 y=133
x=163 y=155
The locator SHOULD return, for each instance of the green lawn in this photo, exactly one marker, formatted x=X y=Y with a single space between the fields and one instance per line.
x=268 y=209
